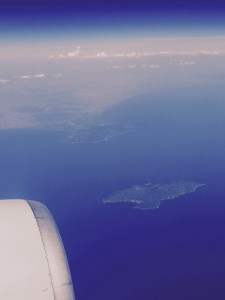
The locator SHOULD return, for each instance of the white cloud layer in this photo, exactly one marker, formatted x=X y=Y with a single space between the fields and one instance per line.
x=71 y=54
x=181 y=62
x=28 y=77
x=134 y=66
x=129 y=55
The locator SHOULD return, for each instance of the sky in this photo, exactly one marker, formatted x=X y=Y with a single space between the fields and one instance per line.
x=110 y=4
x=58 y=14
x=24 y=22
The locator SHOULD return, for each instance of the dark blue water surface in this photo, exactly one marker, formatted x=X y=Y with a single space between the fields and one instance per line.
x=116 y=252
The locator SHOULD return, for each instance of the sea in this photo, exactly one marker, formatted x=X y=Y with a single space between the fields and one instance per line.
x=114 y=251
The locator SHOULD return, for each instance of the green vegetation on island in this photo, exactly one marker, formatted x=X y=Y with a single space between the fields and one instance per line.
x=150 y=196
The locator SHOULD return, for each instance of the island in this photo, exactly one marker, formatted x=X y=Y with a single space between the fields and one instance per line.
x=97 y=133
x=150 y=196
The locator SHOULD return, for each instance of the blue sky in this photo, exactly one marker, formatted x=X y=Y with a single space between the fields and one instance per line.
x=88 y=13
x=117 y=4
x=52 y=23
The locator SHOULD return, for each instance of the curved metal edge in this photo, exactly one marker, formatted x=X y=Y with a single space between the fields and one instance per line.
x=55 y=252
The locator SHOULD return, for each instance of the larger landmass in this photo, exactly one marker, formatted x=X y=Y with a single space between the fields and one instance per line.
x=150 y=196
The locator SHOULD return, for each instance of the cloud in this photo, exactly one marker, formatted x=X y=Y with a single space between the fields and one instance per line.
x=57 y=75
x=39 y=75
x=130 y=55
x=143 y=66
x=3 y=81
x=24 y=77
x=186 y=63
x=134 y=66
x=153 y=66
x=149 y=66
x=181 y=62
x=71 y=54
x=101 y=54
x=76 y=53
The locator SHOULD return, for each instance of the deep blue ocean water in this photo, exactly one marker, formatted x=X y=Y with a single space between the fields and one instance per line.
x=114 y=251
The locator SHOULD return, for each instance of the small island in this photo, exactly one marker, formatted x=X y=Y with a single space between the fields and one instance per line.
x=97 y=133
x=150 y=196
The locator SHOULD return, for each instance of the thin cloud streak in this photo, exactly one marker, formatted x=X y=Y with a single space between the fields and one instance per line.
x=57 y=75
x=129 y=55
x=41 y=75
x=28 y=77
x=134 y=66
x=186 y=63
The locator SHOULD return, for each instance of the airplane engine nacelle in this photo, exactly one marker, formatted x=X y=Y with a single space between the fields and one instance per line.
x=33 y=263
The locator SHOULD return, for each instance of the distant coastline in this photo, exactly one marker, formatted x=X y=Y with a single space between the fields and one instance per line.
x=150 y=196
